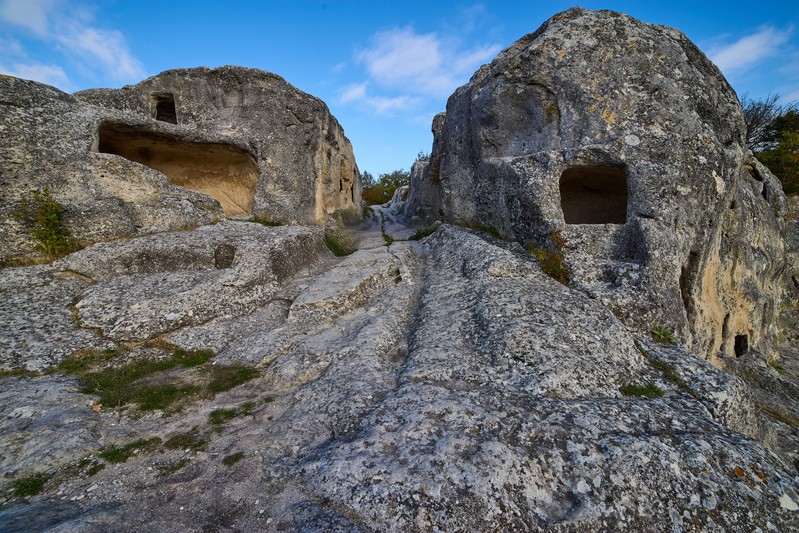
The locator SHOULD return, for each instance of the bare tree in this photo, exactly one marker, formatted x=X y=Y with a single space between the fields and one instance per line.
x=759 y=116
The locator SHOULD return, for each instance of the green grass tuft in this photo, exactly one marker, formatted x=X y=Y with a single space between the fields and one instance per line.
x=226 y=377
x=43 y=216
x=663 y=335
x=218 y=417
x=260 y=219
x=120 y=454
x=233 y=458
x=31 y=485
x=423 y=232
x=340 y=243
x=189 y=440
x=650 y=390
x=550 y=257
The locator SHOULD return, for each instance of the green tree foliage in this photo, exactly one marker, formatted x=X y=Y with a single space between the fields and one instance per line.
x=773 y=135
x=382 y=191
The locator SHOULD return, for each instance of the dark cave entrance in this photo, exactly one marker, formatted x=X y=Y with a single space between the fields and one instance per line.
x=594 y=195
x=163 y=107
x=741 y=345
x=223 y=172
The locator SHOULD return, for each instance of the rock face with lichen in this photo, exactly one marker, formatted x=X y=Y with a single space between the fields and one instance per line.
x=624 y=137
x=440 y=384
x=178 y=150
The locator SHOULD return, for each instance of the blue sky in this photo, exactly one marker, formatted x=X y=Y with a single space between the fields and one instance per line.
x=383 y=68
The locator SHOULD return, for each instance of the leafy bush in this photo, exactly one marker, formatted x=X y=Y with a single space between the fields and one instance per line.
x=383 y=189
x=550 y=257
x=42 y=215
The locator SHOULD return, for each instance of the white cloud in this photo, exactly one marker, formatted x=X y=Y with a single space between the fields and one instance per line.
x=49 y=74
x=31 y=14
x=71 y=27
x=750 y=49
x=353 y=93
x=107 y=48
x=426 y=64
x=384 y=105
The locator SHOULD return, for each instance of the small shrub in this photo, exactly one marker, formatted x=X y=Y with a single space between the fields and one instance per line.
x=31 y=485
x=261 y=219
x=663 y=335
x=388 y=239
x=233 y=458
x=120 y=454
x=423 y=232
x=650 y=390
x=42 y=215
x=550 y=257
x=340 y=242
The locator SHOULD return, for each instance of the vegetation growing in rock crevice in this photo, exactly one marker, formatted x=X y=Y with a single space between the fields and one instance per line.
x=550 y=257
x=340 y=242
x=42 y=215
x=119 y=385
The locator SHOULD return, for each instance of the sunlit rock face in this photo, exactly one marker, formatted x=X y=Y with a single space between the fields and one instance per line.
x=178 y=150
x=627 y=139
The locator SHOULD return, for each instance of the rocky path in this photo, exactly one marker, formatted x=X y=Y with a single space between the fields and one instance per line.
x=441 y=384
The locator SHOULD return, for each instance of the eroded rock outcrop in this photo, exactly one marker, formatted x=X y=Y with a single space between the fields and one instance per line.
x=445 y=384
x=627 y=139
x=178 y=150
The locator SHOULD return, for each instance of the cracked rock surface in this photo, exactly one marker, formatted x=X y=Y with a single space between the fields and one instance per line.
x=444 y=384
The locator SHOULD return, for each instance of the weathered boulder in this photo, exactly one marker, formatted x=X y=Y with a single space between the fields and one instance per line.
x=178 y=150
x=627 y=139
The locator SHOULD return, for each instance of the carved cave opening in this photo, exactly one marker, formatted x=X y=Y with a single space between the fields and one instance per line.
x=223 y=172
x=594 y=195
x=163 y=107
x=741 y=345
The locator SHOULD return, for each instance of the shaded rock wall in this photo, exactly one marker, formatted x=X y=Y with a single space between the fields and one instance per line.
x=527 y=146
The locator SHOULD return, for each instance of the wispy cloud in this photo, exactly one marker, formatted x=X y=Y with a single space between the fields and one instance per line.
x=352 y=93
x=405 y=69
x=426 y=64
x=49 y=74
x=357 y=93
x=70 y=28
x=750 y=49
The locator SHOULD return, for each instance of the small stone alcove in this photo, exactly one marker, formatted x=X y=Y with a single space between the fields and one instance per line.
x=594 y=194
x=741 y=345
x=163 y=107
x=223 y=172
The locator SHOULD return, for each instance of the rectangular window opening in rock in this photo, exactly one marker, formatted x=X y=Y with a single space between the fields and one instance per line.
x=594 y=194
x=163 y=107
x=224 y=172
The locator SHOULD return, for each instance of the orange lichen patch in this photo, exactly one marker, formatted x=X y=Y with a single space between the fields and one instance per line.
x=738 y=471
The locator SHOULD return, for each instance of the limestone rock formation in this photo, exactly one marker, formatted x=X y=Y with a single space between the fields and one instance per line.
x=629 y=141
x=178 y=150
x=440 y=384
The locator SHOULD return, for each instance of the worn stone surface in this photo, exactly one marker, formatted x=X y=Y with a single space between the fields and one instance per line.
x=447 y=384
x=243 y=137
x=536 y=136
